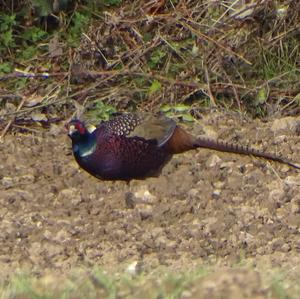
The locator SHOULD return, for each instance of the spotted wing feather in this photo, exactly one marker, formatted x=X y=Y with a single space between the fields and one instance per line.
x=156 y=128
x=122 y=125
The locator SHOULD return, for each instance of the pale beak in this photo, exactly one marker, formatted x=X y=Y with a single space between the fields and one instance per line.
x=72 y=130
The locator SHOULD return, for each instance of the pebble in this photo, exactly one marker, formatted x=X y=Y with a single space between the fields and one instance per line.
x=145 y=211
x=216 y=193
x=7 y=182
x=193 y=192
x=218 y=184
x=134 y=268
x=292 y=180
x=27 y=179
x=55 y=130
x=284 y=123
x=286 y=248
x=70 y=195
x=130 y=200
x=213 y=160
x=144 y=195
x=295 y=204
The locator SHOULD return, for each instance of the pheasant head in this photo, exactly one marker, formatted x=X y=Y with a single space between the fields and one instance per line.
x=83 y=139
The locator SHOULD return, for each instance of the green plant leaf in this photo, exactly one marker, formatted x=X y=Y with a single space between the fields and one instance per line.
x=100 y=111
x=261 y=96
x=7 y=38
x=165 y=108
x=187 y=117
x=179 y=110
x=7 y=22
x=79 y=23
x=29 y=52
x=156 y=58
x=181 y=107
x=21 y=83
x=5 y=68
x=155 y=86
x=34 y=34
x=43 y=7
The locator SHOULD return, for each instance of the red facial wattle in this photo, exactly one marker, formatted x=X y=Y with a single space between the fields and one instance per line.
x=80 y=128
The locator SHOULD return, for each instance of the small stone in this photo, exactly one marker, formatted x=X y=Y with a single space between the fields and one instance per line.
x=280 y=139
x=286 y=248
x=193 y=192
x=145 y=196
x=48 y=234
x=7 y=182
x=27 y=179
x=62 y=236
x=145 y=211
x=295 y=205
x=216 y=193
x=285 y=168
x=292 y=180
x=70 y=194
x=35 y=251
x=130 y=200
x=210 y=224
x=228 y=165
x=135 y=268
x=18 y=194
x=237 y=199
x=218 y=185
x=284 y=123
x=131 y=269
x=156 y=231
x=276 y=195
x=276 y=243
x=171 y=245
x=246 y=238
x=55 y=130
x=119 y=233
x=92 y=197
x=209 y=131
x=213 y=160
x=53 y=250
x=161 y=242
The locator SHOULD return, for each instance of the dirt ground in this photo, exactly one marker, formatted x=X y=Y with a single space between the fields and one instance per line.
x=206 y=208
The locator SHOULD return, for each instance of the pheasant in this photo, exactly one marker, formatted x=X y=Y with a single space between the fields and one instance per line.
x=137 y=146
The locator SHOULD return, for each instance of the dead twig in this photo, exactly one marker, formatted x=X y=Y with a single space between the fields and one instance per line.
x=211 y=96
x=236 y=95
x=206 y=37
x=12 y=120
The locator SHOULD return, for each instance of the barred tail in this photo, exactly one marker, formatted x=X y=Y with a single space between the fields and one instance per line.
x=240 y=149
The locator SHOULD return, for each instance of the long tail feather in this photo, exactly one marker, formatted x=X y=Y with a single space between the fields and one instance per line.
x=240 y=149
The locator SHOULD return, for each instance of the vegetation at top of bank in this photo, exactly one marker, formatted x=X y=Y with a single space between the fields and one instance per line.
x=65 y=57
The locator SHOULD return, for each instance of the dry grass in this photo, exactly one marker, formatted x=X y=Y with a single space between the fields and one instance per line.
x=141 y=54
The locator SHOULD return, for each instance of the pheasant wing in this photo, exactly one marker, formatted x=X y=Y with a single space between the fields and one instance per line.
x=155 y=127
x=148 y=126
x=122 y=124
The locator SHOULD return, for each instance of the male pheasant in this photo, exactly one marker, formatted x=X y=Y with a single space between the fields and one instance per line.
x=137 y=146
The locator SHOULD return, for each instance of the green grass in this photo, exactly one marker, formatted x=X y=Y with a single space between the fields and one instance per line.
x=98 y=284
x=159 y=284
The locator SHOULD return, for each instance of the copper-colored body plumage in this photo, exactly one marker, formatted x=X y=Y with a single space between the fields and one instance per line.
x=137 y=146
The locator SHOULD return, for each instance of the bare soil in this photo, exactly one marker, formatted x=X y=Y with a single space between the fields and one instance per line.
x=206 y=208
